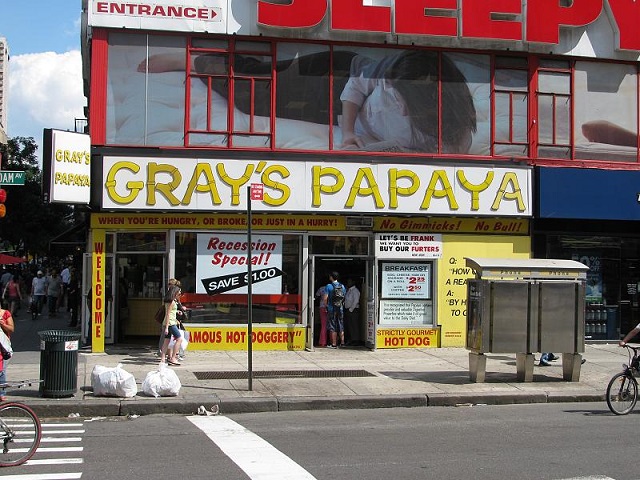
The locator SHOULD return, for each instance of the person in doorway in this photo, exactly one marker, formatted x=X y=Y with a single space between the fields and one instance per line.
x=322 y=307
x=12 y=294
x=170 y=326
x=38 y=293
x=352 y=313
x=334 y=298
x=8 y=327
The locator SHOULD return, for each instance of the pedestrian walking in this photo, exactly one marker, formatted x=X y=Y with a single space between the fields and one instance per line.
x=170 y=326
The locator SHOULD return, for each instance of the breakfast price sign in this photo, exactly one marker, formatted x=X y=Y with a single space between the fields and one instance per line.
x=406 y=280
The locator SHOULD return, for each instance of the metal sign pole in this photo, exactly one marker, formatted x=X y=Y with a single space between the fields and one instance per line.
x=249 y=294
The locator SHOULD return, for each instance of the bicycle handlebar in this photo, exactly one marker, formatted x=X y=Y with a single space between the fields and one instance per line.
x=19 y=384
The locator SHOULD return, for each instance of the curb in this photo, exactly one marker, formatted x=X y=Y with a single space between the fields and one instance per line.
x=124 y=407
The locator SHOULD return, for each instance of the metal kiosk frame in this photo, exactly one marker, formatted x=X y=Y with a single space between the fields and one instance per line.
x=522 y=307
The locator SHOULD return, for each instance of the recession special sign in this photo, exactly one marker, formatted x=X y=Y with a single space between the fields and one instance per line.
x=221 y=264
x=190 y=184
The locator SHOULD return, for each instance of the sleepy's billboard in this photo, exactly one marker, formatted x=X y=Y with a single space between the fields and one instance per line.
x=541 y=22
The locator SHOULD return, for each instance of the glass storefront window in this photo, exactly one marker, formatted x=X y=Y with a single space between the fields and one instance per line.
x=336 y=245
x=606 y=111
x=609 y=300
x=141 y=276
x=142 y=242
x=212 y=268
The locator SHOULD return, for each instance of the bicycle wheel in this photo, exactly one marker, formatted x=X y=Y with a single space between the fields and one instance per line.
x=20 y=433
x=622 y=393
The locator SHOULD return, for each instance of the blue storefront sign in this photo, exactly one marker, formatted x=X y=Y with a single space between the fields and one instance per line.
x=586 y=193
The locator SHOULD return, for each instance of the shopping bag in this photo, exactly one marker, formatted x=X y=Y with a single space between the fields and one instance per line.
x=185 y=341
x=6 y=350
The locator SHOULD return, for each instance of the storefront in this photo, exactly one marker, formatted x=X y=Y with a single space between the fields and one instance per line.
x=409 y=269
x=389 y=141
x=595 y=223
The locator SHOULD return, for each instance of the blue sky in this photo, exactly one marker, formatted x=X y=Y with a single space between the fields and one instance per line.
x=45 y=80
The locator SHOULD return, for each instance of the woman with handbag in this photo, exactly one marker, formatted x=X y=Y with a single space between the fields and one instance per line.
x=181 y=314
x=8 y=327
x=170 y=326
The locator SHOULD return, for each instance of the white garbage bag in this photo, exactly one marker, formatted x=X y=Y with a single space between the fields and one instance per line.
x=113 y=382
x=162 y=382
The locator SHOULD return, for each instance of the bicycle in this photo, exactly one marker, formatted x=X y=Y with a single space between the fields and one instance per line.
x=20 y=429
x=622 y=391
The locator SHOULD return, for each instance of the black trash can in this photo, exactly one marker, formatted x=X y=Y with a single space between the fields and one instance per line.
x=59 y=363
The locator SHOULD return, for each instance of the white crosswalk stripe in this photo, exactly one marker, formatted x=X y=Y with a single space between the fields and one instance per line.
x=248 y=450
x=43 y=476
x=593 y=477
x=60 y=447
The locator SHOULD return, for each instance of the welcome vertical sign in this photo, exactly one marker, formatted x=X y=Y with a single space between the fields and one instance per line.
x=98 y=273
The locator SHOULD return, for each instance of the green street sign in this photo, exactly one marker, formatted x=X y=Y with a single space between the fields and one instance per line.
x=8 y=177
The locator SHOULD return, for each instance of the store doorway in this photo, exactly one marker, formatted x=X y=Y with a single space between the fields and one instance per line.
x=354 y=268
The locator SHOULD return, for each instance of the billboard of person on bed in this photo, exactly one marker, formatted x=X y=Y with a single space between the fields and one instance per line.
x=359 y=98
x=391 y=101
x=606 y=106
x=348 y=99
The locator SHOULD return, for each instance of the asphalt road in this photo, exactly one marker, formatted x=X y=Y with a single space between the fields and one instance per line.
x=538 y=441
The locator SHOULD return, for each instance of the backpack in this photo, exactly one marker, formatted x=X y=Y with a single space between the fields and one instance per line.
x=337 y=296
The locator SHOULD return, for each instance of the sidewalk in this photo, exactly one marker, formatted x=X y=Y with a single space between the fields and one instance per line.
x=321 y=379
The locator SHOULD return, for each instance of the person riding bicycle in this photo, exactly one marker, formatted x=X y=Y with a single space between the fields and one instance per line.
x=629 y=335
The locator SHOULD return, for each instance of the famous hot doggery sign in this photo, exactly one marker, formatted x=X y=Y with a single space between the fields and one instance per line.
x=534 y=21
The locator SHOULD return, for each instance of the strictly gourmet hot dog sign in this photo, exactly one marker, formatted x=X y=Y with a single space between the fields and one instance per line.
x=222 y=263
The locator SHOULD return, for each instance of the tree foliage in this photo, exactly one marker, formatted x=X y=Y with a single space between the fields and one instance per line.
x=30 y=223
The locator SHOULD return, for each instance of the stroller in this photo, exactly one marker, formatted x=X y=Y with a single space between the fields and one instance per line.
x=34 y=306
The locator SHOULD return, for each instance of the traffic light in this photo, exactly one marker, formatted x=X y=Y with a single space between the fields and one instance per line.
x=3 y=197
